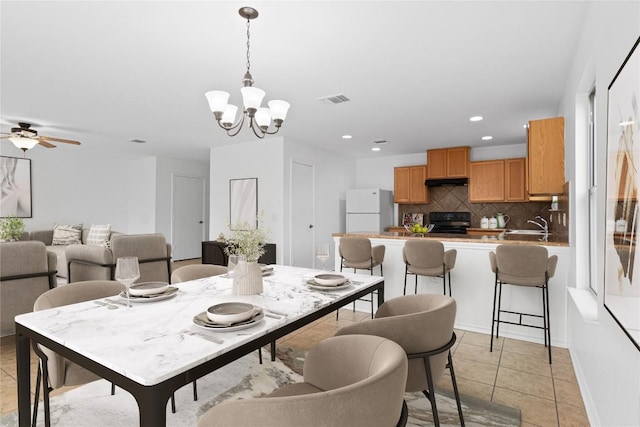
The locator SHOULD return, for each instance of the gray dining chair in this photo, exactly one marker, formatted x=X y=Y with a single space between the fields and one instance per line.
x=428 y=258
x=358 y=253
x=196 y=271
x=355 y=381
x=54 y=371
x=422 y=325
x=522 y=265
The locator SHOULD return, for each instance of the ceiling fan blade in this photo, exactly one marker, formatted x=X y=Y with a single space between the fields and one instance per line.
x=45 y=143
x=66 y=141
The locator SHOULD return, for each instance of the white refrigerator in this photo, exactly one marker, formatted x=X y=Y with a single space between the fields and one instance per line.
x=369 y=210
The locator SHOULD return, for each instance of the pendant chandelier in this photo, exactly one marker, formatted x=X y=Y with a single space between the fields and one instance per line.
x=259 y=118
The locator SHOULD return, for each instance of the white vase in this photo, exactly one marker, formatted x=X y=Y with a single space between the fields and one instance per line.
x=251 y=283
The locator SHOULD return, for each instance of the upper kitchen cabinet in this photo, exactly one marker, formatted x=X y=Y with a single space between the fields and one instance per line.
x=448 y=163
x=546 y=156
x=498 y=181
x=408 y=184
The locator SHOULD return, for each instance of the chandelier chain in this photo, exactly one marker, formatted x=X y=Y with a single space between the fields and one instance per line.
x=248 y=45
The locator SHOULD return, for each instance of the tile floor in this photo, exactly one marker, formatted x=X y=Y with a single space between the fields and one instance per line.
x=516 y=373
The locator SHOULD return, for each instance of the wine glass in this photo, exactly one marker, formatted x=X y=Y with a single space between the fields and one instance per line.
x=322 y=252
x=127 y=272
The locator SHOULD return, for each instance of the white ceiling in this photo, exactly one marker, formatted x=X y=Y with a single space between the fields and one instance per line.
x=108 y=72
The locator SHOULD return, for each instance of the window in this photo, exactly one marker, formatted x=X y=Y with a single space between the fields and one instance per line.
x=591 y=177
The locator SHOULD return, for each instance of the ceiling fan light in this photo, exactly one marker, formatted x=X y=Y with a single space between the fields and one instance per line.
x=24 y=143
x=279 y=109
x=252 y=97
x=263 y=117
x=229 y=115
x=217 y=100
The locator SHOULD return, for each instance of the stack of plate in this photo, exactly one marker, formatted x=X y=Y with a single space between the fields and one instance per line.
x=229 y=316
x=328 y=282
x=150 y=291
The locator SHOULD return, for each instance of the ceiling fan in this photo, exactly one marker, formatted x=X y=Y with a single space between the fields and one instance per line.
x=26 y=138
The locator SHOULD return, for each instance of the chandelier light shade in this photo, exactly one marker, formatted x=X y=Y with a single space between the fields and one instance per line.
x=259 y=118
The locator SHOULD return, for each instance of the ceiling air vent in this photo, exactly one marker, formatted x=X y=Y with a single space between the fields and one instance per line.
x=380 y=141
x=334 y=99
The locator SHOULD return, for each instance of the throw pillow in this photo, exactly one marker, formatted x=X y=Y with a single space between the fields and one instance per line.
x=64 y=234
x=99 y=235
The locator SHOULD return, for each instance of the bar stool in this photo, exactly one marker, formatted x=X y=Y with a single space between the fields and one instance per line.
x=428 y=258
x=522 y=265
x=357 y=253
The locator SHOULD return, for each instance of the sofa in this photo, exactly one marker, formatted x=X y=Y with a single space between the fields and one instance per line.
x=27 y=270
x=46 y=237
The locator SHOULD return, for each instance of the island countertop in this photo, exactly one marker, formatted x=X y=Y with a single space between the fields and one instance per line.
x=527 y=239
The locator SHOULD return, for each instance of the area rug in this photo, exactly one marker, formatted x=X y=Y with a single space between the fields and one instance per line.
x=92 y=404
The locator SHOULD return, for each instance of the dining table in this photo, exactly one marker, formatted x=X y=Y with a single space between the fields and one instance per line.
x=158 y=345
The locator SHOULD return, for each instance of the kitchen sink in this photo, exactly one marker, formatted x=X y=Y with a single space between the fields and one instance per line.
x=534 y=232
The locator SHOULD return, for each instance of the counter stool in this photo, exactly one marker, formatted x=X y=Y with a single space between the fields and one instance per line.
x=357 y=253
x=428 y=258
x=522 y=265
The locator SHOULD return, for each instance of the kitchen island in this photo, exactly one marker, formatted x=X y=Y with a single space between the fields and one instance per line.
x=472 y=281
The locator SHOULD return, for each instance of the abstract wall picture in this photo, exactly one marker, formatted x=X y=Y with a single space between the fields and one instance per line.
x=243 y=202
x=15 y=187
x=622 y=274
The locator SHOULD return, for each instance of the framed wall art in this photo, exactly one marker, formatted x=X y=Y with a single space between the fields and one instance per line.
x=15 y=187
x=622 y=272
x=243 y=202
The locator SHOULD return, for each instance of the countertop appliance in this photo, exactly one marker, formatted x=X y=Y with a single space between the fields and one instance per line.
x=369 y=210
x=450 y=222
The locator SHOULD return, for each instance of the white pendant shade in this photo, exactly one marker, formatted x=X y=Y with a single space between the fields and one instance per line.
x=24 y=143
x=279 y=109
x=229 y=115
x=252 y=97
x=263 y=117
x=217 y=100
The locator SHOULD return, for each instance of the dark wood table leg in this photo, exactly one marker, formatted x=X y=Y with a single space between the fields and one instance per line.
x=23 y=362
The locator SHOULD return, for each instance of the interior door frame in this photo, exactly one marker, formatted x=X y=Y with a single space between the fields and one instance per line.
x=205 y=220
x=313 y=208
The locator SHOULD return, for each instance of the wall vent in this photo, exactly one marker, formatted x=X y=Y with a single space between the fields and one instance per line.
x=334 y=99
x=380 y=141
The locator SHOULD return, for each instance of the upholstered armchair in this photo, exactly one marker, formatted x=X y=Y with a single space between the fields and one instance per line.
x=86 y=262
x=27 y=270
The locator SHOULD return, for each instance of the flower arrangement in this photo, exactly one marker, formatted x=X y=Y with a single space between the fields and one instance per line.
x=247 y=241
x=11 y=228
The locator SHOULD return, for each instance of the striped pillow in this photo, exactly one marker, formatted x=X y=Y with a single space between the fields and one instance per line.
x=64 y=234
x=99 y=235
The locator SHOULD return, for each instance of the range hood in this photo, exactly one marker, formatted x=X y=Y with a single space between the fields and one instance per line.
x=446 y=181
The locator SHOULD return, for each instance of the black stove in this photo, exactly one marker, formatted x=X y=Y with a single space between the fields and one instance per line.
x=450 y=222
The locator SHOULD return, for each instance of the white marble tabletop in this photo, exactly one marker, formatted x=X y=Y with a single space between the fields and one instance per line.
x=147 y=343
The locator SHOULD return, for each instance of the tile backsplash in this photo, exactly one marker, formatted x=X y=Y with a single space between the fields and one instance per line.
x=456 y=199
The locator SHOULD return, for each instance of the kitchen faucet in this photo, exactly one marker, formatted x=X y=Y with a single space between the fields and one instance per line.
x=545 y=227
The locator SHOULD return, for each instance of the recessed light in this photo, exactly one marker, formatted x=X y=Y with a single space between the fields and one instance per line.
x=346 y=137
x=475 y=118
x=375 y=149
x=487 y=138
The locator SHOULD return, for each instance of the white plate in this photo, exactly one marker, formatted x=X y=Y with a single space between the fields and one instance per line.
x=170 y=293
x=202 y=321
x=148 y=288
x=231 y=312
x=329 y=279
x=313 y=285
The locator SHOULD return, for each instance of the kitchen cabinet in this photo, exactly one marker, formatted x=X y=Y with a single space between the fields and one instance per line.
x=546 y=156
x=448 y=163
x=408 y=184
x=498 y=181
x=515 y=180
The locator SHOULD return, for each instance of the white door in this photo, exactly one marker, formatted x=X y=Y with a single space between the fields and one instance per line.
x=187 y=223
x=302 y=219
